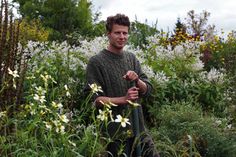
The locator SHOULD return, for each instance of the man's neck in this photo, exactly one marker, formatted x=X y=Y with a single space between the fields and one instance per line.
x=114 y=50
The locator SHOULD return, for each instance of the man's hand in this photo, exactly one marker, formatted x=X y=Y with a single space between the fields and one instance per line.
x=131 y=76
x=132 y=94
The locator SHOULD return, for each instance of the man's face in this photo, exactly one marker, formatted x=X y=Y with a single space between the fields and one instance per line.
x=118 y=36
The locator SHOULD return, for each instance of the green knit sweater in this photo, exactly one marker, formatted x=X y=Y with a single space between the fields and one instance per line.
x=106 y=70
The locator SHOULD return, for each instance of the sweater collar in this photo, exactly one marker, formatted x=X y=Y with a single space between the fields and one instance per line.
x=113 y=55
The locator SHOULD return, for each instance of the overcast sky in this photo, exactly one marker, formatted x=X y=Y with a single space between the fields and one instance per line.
x=166 y=12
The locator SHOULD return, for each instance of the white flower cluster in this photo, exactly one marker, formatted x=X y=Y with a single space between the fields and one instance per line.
x=51 y=113
x=198 y=65
x=160 y=77
x=183 y=50
x=106 y=113
x=213 y=75
x=154 y=40
x=70 y=54
x=90 y=48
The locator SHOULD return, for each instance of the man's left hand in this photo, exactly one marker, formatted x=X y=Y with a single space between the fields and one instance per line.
x=131 y=76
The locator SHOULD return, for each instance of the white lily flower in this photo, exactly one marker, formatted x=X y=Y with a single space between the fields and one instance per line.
x=40 y=98
x=3 y=114
x=110 y=114
x=102 y=115
x=95 y=88
x=55 y=105
x=66 y=87
x=40 y=90
x=72 y=143
x=64 y=118
x=68 y=94
x=13 y=73
x=122 y=120
x=48 y=125
x=67 y=91
x=60 y=129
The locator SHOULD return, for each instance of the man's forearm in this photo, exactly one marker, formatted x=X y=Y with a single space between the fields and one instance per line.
x=142 y=86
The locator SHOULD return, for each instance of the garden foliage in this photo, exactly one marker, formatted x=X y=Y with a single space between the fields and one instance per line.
x=44 y=111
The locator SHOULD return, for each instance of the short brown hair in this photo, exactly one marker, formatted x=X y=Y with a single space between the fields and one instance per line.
x=119 y=19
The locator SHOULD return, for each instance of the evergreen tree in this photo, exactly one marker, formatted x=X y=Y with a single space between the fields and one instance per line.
x=180 y=34
x=179 y=27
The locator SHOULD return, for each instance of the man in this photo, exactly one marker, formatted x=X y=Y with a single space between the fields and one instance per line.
x=114 y=70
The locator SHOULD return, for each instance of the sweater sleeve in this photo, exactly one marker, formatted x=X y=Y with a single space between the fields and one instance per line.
x=93 y=76
x=143 y=77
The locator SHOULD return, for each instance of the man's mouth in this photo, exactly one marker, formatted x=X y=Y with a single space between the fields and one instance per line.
x=121 y=42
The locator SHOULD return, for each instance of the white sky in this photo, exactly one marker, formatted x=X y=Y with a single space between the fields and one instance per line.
x=166 y=12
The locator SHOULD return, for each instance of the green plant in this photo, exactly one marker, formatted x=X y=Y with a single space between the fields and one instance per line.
x=182 y=119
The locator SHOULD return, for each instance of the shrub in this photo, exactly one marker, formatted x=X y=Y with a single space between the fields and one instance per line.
x=32 y=30
x=182 y=119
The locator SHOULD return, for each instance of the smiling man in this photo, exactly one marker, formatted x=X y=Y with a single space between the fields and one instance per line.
x=114 y=70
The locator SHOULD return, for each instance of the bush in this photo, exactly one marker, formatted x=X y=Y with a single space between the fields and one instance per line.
x=182 y=119
x=32 y=30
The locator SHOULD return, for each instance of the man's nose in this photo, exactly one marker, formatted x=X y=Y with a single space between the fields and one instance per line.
x=122 y=35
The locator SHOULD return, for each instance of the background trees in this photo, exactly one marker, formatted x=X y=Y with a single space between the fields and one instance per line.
x=61 y=16
x=197 y=23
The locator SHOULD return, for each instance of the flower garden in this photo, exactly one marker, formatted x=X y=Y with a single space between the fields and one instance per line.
x=43 y=112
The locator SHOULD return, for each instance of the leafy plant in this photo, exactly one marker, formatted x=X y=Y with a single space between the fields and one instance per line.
x=182 y=119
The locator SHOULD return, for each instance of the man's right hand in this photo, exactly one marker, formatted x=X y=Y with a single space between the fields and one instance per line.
x=132 y=94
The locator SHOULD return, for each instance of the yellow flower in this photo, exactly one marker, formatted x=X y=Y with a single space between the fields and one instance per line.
x=108 y=104
x=42 y=113
x=46 y=77
x=129 y=133
x=133 y=103
x=30 y=77
x=27 y=107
